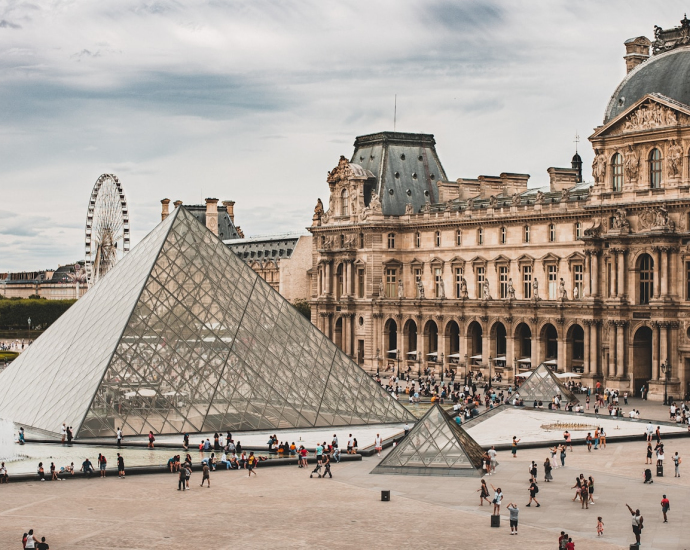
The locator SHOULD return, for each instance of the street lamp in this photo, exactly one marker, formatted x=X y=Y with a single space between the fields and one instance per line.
x=466 y=369
x=666 y=369
x=515 y=370
x=490 y=361
x=397 y=356
x=442 y=368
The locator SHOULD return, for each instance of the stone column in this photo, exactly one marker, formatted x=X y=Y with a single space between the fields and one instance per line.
x=348 y=278
x=328 y=278
x=612 y=350
x=562 y=359
x=535 y=348
x=613 y=282
x=595 y=273
x=663 y=253
x=587 y=367
x=620 y=348
x=655 y=351
x=594 y=349
x=587 y=274
x=663 y=342
x=621 y=273
x=657 y=264
x=347 y=334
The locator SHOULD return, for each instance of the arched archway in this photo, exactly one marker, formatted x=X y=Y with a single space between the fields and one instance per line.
x=474 y=343
x=452 y=350
x=575 y=349
x=498 y=339
x=645 y=278
x=338 y=333
x=549 y=344
x=390 y=340
x=431 y=350
x=410 y=339
x=523 y=344
x=642 y=358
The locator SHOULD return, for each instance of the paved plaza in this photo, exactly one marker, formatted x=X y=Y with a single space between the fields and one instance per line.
x=283 y=507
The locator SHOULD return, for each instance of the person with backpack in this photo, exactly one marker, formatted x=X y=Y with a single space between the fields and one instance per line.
x=533 y=490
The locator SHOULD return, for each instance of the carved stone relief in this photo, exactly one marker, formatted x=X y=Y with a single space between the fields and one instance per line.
x=648 y=117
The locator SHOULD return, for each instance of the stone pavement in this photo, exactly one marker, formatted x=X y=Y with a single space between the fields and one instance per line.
x=283 y=507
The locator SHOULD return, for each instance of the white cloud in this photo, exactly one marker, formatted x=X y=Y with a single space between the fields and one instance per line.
x=254 y=101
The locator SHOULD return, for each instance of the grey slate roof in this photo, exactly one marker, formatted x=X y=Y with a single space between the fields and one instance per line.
x=405 y=166
x=273 y=247
x=226 y=229
x=667 y=74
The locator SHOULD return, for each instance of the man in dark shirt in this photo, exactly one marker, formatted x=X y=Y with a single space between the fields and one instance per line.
x=87 y=467
x=43 y=545
x=120 y=466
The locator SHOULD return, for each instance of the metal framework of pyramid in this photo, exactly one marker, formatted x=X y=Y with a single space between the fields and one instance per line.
x=182 y=336
x=436 y=446
x=542 y=385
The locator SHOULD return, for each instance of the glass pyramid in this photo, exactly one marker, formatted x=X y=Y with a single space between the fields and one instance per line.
x=542 y=385
x=181 y=336
x=436 y=446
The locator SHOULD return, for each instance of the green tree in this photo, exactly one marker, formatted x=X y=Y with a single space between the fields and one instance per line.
x=303 y=307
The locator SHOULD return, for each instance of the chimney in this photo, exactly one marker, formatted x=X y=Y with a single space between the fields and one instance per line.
x=212 y=215
x=177 y=204
x=562 y=178
x=636 y=51
x=166 y=208
x=230 y=207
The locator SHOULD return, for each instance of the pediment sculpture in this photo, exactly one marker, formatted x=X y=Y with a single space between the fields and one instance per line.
x=649 y=117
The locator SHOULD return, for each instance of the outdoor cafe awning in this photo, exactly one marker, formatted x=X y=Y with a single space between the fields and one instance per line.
x=454 y=356
x=568 y=375
x=500 y=358
x=476 y=357
x=525 y=360
x=551 y=362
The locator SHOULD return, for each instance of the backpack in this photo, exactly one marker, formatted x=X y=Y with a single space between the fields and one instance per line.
x=536 y=489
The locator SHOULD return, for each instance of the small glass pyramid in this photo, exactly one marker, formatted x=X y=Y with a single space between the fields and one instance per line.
x=436 y=446
x=182 y=336
x=542 y=385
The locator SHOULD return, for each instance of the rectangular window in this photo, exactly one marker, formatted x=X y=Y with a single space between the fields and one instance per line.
x=457 y=272
x=391 y=283
x=578 y=281
x=480 y=282
x=480 y=236
x=503 y=281
x=687 y=279
x=527 y=281
x=525 y=234
x=578 y=230
x=437 y=281
x=608 y=280
x=458 y=237
x=360 y=283
x=553 y=281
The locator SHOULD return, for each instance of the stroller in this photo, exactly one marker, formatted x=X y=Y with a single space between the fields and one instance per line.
x=648 y=476
x=316 y=470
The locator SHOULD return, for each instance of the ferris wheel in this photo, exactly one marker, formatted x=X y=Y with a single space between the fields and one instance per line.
x=107 y=227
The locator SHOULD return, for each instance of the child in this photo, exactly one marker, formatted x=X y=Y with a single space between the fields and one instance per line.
x=600 y=527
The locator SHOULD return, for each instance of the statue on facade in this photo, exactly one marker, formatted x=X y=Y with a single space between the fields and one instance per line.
x=441 y=289
x=327 y=242
x=540 y=198
x=420 y=289
x=375 y=203
x=675 y=159
x=599 y=167
x=486 y=291
x=381 y=289
x=492 y=201
x=409 y=209
x=565 y=195
x=511 y=289
x=661 y=217
x=576 y=293
x=620 y=220
x=535 y=289
x=318 y=213
x=463 y=288
x=401 y=289
x=631 y=164
x=516 y=199
x=562 y=292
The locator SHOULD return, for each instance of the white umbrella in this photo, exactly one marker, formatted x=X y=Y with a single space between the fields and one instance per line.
x=147 y=392
x=525 y=360
x=569 y=375
x=476 y=357
x=523 y=374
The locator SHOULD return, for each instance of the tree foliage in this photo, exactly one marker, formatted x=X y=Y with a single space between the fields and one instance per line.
x=15 y=314
x=303 y=307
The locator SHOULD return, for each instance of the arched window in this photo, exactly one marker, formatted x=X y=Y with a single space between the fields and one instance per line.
x=437 y=238
x=458 y=237
x=480 y=235
x=343 y=203
x=552 y=233
x=617 y=172
x=417 y=239
x=646 y=278
x=525 y=233
x=655 y=169
x=503 y=235
x=391 y=240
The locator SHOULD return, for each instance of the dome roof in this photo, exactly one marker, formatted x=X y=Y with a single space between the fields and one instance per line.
x=667 y=74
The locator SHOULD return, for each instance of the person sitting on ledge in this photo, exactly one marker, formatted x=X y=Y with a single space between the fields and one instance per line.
x=171 y=463
x=4 y=476
x=87 y=467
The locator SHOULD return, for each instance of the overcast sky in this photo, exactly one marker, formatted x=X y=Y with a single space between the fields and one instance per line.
x=255 y=101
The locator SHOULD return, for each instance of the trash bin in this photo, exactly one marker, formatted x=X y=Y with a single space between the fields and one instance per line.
x=495 y=521
x=385 y=496
x=659 y=470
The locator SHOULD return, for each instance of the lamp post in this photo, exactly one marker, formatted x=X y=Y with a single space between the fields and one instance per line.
x=515 y=371
x=465 y=369
x=397 y=356
x=666 y=370
x=443 y=368
x=490 y=361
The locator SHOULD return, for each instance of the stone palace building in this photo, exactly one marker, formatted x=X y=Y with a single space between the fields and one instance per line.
x=412 y=270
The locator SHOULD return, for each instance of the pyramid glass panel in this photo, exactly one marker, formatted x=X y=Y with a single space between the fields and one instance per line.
x=542 y=385
x=180 y=336
x=437 y=446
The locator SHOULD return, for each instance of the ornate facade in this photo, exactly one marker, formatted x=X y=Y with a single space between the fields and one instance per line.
x=412 y=270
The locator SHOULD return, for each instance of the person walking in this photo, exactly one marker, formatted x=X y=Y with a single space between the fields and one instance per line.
x=547 y=470
x=649 y=453
x=600 y=527
x=533 y=470
x=102 y=463
x=120 y=466
x=514 y=511
x=119 y=437
x=584 y=494
x=63 y=433
x=378 y=444
x=251 y=464
x=637 y=523
x=649 y=430
x=492 y=459
x=590 y=485
x=151 y=439
x=676 y=462
x=514 y=446
x=577 y=487
x=533 y=490
x=182 y=479
x=665 y=507
x=31 y=540
x=483 y=493
x=327 y=467
x=498 y=497
x=206 y=475
x=588 y=440
x=563 y=454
